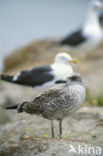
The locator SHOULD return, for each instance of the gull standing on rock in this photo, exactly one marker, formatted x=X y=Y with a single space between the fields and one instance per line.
x=60 y=101
x=45 y=75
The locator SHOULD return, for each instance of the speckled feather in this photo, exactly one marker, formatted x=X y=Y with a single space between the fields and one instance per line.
x=57 y=102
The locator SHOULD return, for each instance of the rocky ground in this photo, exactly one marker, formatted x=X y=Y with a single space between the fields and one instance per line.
x=22 y=134
x=30 y=135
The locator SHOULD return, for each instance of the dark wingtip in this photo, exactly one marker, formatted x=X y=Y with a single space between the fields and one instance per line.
x=2 y=76
x=12 y=107
x=6 y=77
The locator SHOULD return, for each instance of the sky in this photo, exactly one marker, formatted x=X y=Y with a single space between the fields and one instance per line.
x=22 y=21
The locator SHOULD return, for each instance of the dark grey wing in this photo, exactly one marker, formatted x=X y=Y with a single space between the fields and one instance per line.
x=35 y=77
x=73 y=39
x=101 y=19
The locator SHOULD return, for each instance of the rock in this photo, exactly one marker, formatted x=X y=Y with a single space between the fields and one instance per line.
x=30 y=135
x=34 y=54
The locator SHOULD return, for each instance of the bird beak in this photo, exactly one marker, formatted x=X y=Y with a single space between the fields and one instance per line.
x=74 y=61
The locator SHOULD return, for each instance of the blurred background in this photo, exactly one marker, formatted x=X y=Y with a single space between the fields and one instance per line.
x=28 y=30
x=23 y=21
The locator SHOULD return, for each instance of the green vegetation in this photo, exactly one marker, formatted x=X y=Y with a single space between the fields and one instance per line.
x=94 y=101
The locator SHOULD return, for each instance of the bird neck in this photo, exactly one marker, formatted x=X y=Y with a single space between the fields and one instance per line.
x=70 y=83
x=92 y=15
x=92 y=21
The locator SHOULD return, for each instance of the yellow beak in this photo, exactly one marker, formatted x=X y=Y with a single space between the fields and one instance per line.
x=74 y=61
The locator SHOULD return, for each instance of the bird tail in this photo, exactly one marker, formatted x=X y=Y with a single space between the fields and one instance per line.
x=19 y=107
x=6 y=78
x=12 y=107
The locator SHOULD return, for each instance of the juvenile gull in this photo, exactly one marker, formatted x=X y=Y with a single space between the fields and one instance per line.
x=45 y=75
x=90 y=34
x=58 y=102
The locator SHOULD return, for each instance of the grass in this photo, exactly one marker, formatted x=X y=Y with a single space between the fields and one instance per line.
x=94 y=101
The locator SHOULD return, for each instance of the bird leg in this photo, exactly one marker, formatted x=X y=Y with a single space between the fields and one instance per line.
x=52 y=128
x=60 y=128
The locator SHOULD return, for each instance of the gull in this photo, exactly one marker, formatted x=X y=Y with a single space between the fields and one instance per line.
x=43 y=76
x=57 y=102
x=89 y=36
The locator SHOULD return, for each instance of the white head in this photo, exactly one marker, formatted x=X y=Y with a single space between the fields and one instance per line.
x=64 y=58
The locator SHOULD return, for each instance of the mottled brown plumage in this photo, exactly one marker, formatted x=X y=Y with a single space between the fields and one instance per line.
x=57 y=102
